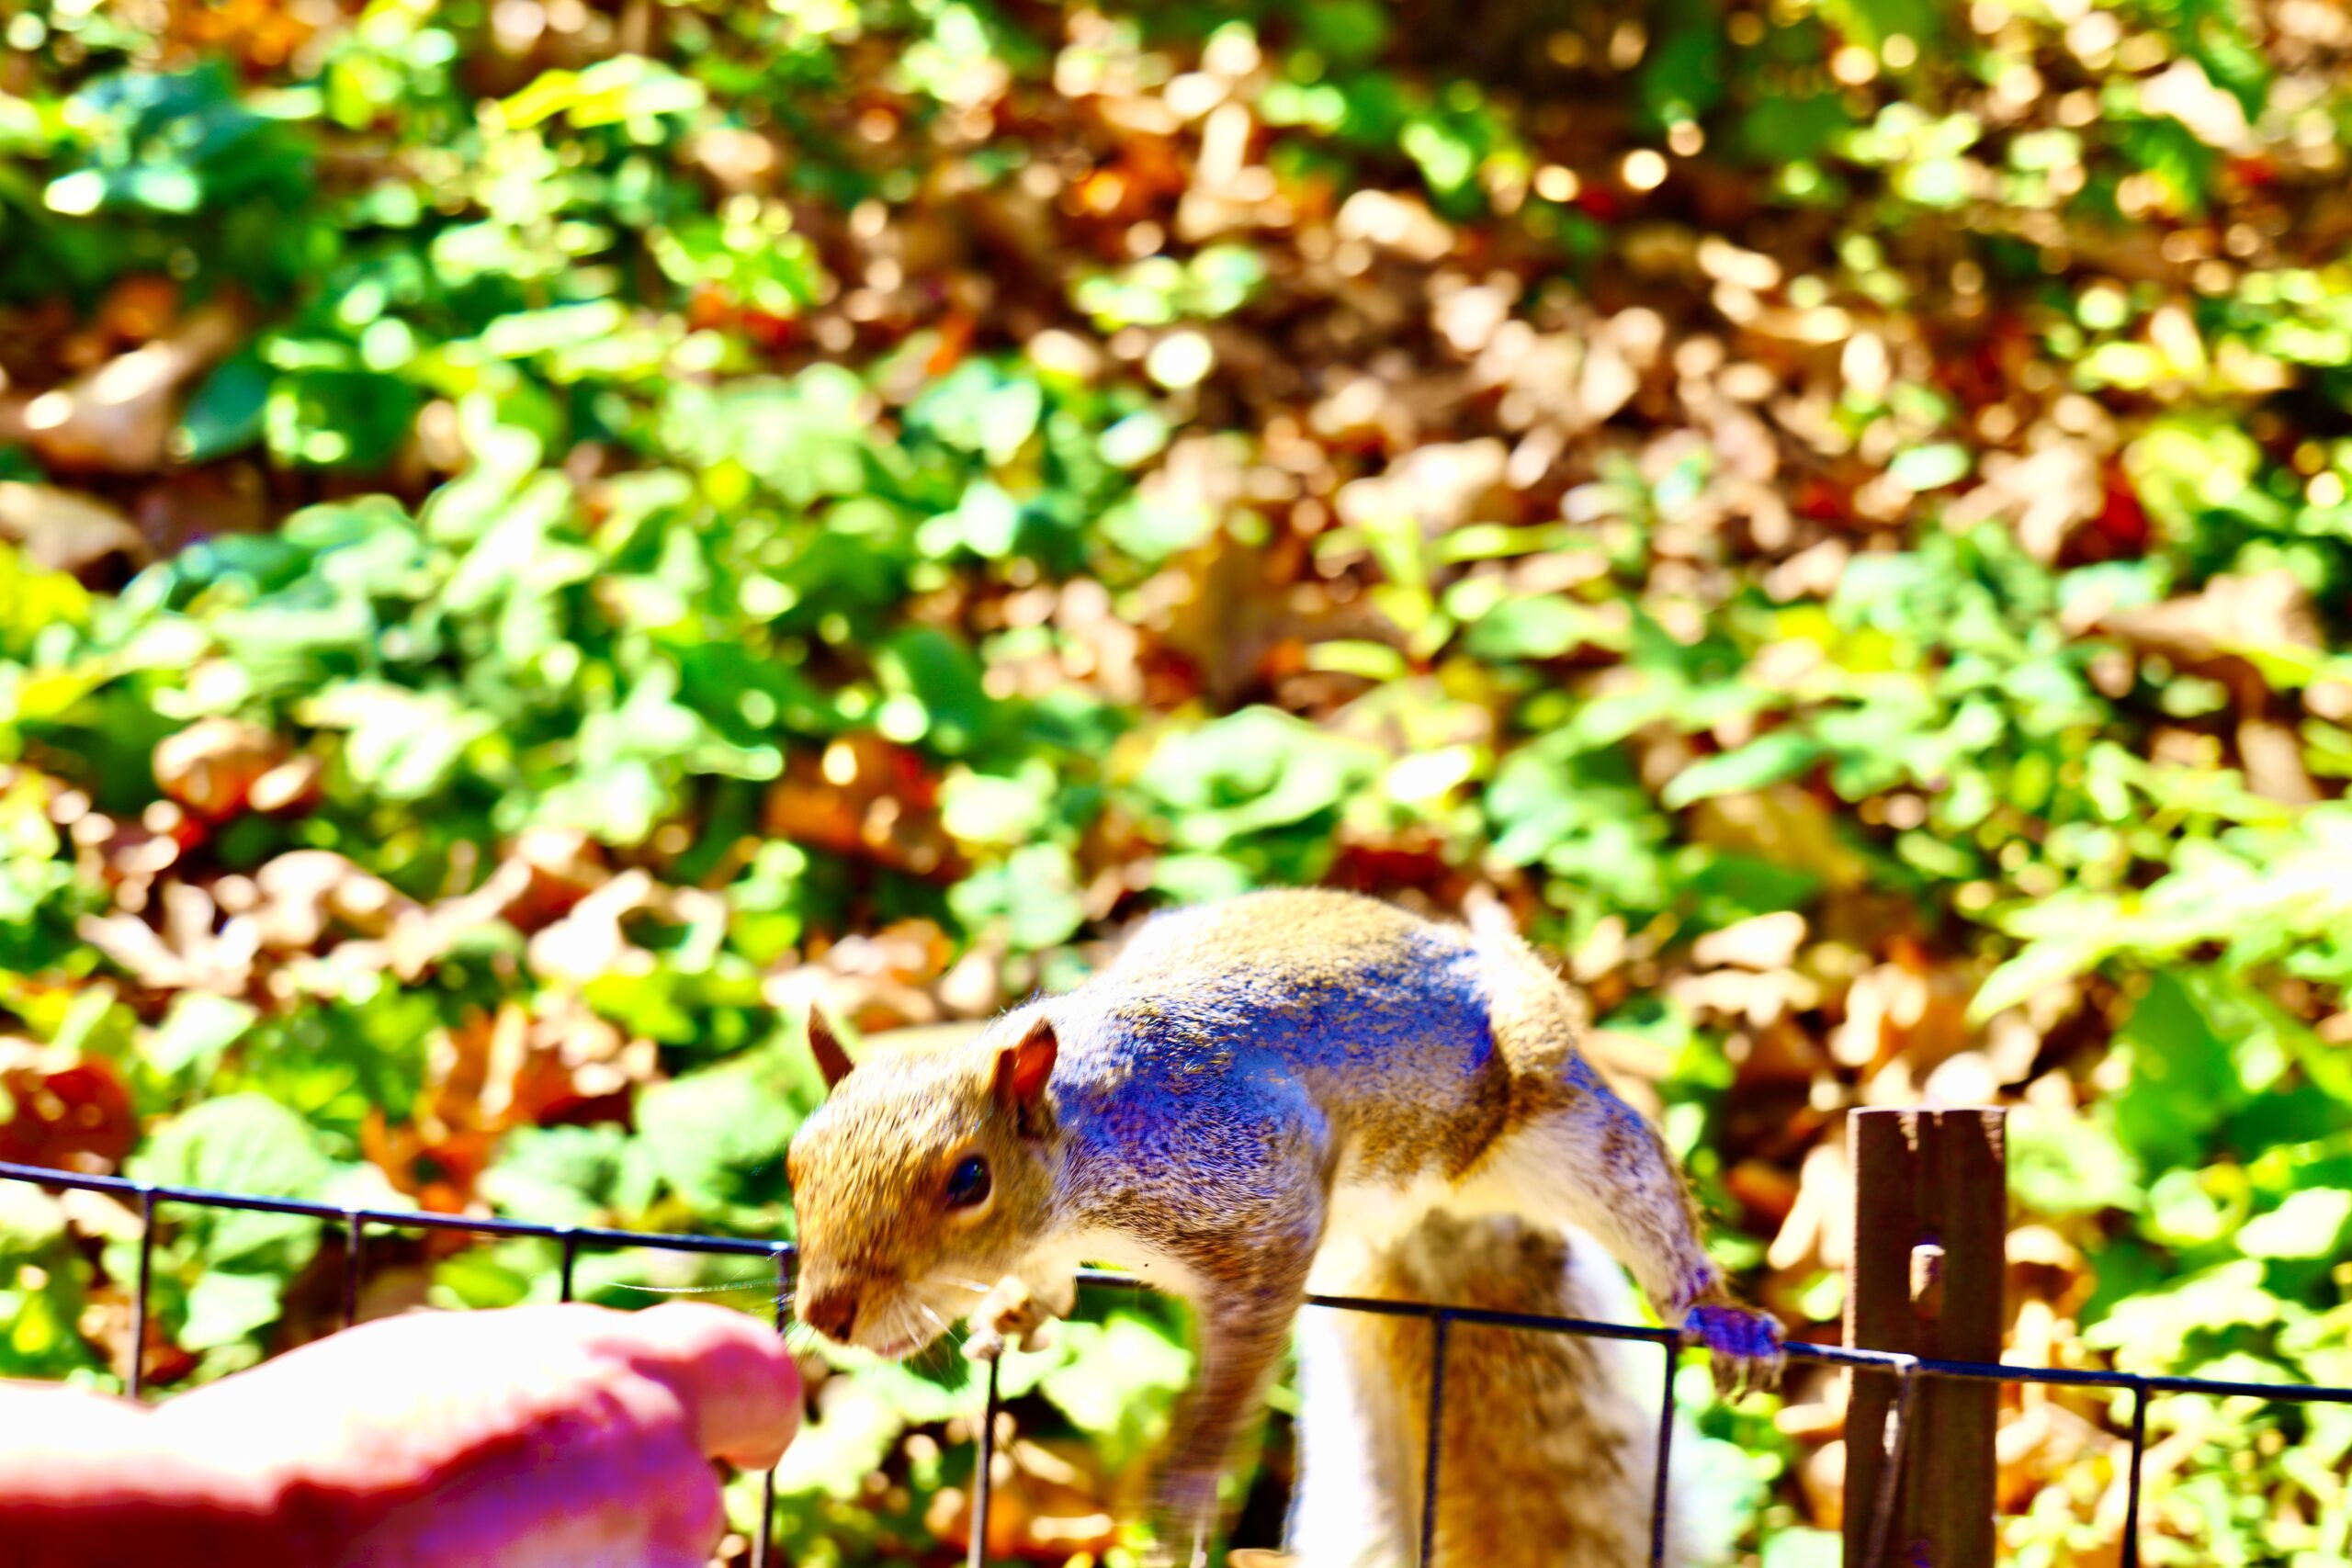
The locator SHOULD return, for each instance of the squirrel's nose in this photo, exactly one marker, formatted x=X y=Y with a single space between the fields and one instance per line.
x=832 y=1314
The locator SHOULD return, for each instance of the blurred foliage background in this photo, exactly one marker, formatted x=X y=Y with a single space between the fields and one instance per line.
x=536 y=538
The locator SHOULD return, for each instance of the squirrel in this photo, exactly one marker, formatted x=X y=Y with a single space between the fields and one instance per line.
x=1253 y=1087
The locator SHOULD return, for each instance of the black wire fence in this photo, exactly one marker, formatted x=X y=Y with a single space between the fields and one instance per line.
x=1905 y=1369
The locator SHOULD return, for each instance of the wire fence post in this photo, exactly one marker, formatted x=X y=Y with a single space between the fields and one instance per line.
x=763 y=1540
x=983 y=1471
x=1441 y=1325
x=355 y=1238
x=137 y=1373
x=1931 y=1221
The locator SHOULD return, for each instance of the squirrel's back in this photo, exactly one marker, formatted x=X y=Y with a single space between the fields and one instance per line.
x=1316 y=934
x=1418 y=1041
x=1287 y=969
x=1381 y=1021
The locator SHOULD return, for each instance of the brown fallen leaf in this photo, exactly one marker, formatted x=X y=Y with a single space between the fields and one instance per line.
x=306 y=893
x=63 y=530
x=186 y=954
x=2229 y=615
x=119 y=418
x=213 y=765
x=1760 y=942
x=63 y=1109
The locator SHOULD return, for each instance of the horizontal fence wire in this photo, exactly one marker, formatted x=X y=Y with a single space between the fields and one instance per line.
x=1906 y=1369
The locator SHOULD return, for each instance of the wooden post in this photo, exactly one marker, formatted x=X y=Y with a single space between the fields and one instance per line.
x=1930 y=1219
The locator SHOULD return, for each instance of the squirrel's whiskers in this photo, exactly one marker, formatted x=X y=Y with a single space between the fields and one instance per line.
x=691 y=1290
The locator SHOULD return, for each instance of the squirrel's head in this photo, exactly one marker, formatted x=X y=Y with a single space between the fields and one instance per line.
x=925 y=1177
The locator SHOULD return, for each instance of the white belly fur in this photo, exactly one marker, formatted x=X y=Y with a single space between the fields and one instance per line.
x=1366 y=1216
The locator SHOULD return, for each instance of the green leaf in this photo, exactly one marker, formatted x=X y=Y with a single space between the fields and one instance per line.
x=224 y=415
x=241 y=1143
x=1200 y=879
x=1250 y=772
x=30 y=1220
x=1802 y=1548
x=717 y=1138
x=938 y=683
x=481 y=1276
x=1543 y=627
x=626 y=87
x=225 y=1307
x=337 y=419
x=2151 y=1331
x=194 y=1033
x=1930 y=467
x=2310 y=1223
x=981 y=410
x=986 y=521
x=2038 y=967
x=982 y=809
x=1120 y=1381
x=557 y=1175
x=1783 y=753
x=1033 y=892
x=403 y=744
x=2183 y=1211
x=526 y=333
x=854 y=1429
x=1152 y=526
x=2183 y=1078
x=2062 y=1164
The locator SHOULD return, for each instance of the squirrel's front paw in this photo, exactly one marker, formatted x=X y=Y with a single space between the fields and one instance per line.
x=1010 y=1315
x=1745 y=1344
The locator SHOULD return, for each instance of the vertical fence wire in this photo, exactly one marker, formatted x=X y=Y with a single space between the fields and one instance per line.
x=1441 y=1325
x=138 y=1378
x=983 y=1471
x=355 y=1238
x=763 y=1538
x=1665 y=1455
x=1890 y=1476
x=2139 y=1450
x=570 y=1256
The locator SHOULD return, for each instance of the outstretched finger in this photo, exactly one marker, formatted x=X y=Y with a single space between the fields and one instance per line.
x=732 y=1374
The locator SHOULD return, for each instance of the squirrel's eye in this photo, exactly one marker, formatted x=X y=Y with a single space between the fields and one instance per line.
x=968 y=1183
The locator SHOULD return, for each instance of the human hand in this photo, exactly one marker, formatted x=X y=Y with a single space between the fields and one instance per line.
x=570 y=1435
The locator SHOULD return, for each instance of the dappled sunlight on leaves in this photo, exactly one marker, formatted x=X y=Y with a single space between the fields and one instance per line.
x=537 y=543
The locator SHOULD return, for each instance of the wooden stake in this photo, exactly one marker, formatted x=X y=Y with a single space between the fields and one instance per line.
x=1930 y=1219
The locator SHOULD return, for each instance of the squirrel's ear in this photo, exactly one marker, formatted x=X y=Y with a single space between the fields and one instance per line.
x=1022 y=1070
x=831 y=1060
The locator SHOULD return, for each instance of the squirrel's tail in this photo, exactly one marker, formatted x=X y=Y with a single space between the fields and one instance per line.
x=1548 y=1449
